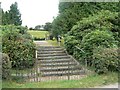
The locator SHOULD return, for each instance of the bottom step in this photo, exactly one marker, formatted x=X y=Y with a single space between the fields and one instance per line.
x=55 y=78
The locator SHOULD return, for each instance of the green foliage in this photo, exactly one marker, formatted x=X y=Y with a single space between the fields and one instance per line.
x=99 y=30
x=105 y=59
x=48 y=26
x=69 y=43
x=6 y=66
x=19 y=47
x=38 y=27
x=72 y=12
x=97 y=38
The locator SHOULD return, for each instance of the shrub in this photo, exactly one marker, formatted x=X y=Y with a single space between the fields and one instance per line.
x=19 y=47
x=69 y=43
x=95 y=39
x=98 y=30
x=6 y=66
x=27 y=36
x=98 y=38
x=105 y=59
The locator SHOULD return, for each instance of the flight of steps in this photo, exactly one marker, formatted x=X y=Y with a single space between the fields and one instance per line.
x=55 y=62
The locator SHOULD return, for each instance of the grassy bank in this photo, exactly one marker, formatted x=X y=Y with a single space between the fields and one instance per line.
x=90 y=81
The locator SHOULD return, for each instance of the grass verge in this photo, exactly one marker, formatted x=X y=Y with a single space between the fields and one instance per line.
x=90 y=81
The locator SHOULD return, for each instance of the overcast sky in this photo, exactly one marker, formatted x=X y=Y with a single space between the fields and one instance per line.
x=34 y=12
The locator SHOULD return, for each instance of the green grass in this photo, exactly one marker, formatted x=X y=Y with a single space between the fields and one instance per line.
x=38 y=34
x=55 y=43
x=90 y=81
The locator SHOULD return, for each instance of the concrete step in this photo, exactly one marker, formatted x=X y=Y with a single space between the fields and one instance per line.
x=60 y=69
x=76 y=72
x=58 y=64
x=53 y=57
x=55 y=54
x=50 y=49
x=49 y=52
x=55 y=61
x=39 y=47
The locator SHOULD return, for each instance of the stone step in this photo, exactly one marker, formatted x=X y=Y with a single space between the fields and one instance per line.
x=50 y=49
x=55 y=54
x=60 y=69
x=54 y=61
x=76 y=72
x=49 y=52
x=44 y=47
x=53 y=57
x=58 y=64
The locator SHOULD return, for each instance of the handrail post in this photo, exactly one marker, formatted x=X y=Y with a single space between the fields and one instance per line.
x=36 y=67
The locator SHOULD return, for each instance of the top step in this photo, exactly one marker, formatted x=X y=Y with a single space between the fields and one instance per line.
x=49 y=47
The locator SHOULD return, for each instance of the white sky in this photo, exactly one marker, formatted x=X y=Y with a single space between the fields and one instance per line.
x=34 y=12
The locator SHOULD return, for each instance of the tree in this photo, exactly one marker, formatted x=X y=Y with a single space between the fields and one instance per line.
x=72 y=12
x=5 y=18
x=38 y=27
x=31 y=28
x=48 y=26
x=15 y=16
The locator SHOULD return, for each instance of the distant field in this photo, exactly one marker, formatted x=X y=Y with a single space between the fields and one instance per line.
x=38 y=34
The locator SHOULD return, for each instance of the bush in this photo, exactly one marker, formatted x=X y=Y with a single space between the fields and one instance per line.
x=70 y=43
x=6 y=66
x=93 y=40
x=98 y=30
x=19 y=47
x=105 y=59
x=36 y=38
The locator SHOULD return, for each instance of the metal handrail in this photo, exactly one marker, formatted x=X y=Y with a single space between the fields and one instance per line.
x=79 y=49
x=84 y=53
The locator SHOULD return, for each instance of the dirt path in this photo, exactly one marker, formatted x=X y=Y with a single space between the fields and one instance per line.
x=109 y=86
x=42 y=43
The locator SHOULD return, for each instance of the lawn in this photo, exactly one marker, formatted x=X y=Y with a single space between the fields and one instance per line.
x=55 y=43
x=38 y=34
x=90 y=81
